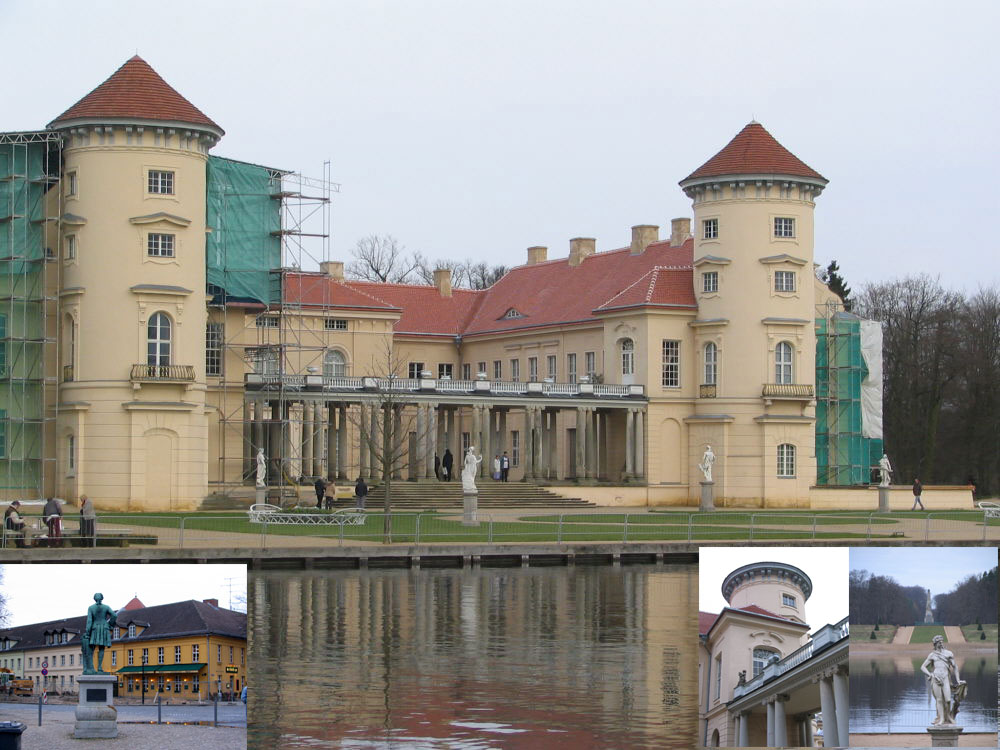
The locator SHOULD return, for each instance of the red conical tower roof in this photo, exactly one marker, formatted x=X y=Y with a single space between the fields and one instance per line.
x=754 y=151
x=134 y=604
x=136 y=92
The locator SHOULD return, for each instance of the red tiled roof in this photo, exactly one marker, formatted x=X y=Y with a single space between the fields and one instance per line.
x=425 y=311
x=754 y=609
x=705 y=622
x=554 y=293
x=322 y=291
x=754 y=151
x=668 y=286
x=134 y=604
x=136 y=91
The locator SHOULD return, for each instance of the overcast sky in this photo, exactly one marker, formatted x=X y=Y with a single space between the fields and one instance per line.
x=475 y=129
x=825 y=566
x=40 y=593
x=934 y=568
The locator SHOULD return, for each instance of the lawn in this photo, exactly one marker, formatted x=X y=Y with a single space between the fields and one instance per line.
x=972 y=633
x=862 y=633
x=926 y=633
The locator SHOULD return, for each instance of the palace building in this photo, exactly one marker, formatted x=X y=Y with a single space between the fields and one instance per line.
x=763 y=680
x=166 y=315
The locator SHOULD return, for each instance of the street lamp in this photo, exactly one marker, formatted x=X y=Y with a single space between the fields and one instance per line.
x=142 y=670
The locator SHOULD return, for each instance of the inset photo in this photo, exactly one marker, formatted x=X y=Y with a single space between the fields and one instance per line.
x=773 y=647
x=923 y=654
x=131 y=655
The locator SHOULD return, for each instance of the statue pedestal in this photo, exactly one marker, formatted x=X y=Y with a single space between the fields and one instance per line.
x=470 y=508
x=883 y=499
x=707 y=497
x=945 y=736
x=96 y=715
x=261 y=495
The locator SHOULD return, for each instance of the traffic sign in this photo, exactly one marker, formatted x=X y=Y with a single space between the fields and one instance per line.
x=45 y=663
x=44 y=672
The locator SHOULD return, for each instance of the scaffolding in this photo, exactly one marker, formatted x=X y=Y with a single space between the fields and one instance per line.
x=30 y=219
x=844 y=456
x=270 y=229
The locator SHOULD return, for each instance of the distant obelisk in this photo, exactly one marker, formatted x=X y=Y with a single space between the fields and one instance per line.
x=928 y=615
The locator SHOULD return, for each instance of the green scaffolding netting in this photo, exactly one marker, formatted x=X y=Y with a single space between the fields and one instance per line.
x=244 y=217
x=843 y=455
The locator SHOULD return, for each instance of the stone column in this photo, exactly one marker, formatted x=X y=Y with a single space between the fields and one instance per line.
x=342 y=442
x=248 y=447
x=744 y=736
x=840 y=700
x=528 y=444
x=332 y=454
x=592 y=454
x=420 y=465
x=477 y=434
x=258 y=427
x=780 y=726
x=640 y=444
x=374 y=422
x=285 y=455
x=539 y=447
x=432 y=438
x=736 y=730
x=831 y=732
x=502 y=444
x=629 y=443
x=769 y=703
x=397 y=428
x=307 y=438
x=362 y=445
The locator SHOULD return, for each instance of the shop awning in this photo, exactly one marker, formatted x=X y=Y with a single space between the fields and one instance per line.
x=161 y=668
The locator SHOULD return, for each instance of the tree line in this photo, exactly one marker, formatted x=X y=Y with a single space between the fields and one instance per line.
x=881 y=600
x=381 y=257
x=941 y=378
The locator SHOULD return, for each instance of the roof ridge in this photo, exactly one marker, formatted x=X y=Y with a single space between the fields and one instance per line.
x=629 y=287
x=343 y=282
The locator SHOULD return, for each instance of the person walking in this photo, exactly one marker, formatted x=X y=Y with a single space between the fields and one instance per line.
x=437 y=466
x=496 y=467
x=320 y=491
x=504 y=467
x=917 y=489
x=88 y=518
x=360 y=493
x=447 y=462
x=52 y=513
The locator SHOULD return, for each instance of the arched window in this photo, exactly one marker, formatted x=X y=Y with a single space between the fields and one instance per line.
x=628 y=357
x=158 y=340
x=783 y=363
x=786 y=460
x=334 y=364
x=715 y=738
x=761 y=658
x=711 y=364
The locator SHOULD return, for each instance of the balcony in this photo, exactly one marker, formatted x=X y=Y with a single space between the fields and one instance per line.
x=787 y=391
x=162 y=374
x=708 y=391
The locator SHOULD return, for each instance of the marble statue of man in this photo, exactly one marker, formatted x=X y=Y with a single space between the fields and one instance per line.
x=97 y=633
x=261 y=468
x=885 y=470
x=707 y=461
x=469 y=470
x=944 y=683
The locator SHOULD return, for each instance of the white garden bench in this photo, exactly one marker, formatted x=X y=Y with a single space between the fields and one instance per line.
x=272 y=514
x=990 y=509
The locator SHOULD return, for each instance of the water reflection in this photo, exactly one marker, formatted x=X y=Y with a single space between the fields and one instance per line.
x=514 y=658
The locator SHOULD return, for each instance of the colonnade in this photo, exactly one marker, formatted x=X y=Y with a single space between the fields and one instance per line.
x=338 y=437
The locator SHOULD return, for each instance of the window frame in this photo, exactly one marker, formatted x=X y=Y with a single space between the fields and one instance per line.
x=786 y=461
x=784 y=363
x=161 y=245
x=334 y=324
x=498 y=369
x=532 y=369
x=785 y=282
x=764 y=661
x=158 y=179
x=267 y=320
x=214 y=339
x=710 y=365
x=413 y=370
x=552 y=366
x=790 y=600
x=446 y=370
x=159 y=350
x=671 y=374
x=71 y=248
x=467 y=371
x=710 y=282
x=627 y=349
x=515 y=447
x=710 y=229
x=784 y=227
x=571 y=367
x=515 y=370
x=590 y=365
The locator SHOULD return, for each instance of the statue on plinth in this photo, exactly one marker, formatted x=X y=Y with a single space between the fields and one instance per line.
x=261 y=468
x=707 y=461
x=97 y=633
x=469 y=470
x=947 y=689
x=885 y=471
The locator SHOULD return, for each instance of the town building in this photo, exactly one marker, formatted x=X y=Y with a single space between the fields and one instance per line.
x=763 y=680
x=166 y=319
x=181 y=651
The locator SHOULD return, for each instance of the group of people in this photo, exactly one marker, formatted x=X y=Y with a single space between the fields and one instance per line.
x=444 y=467
x=15 y=525
x=326 y=494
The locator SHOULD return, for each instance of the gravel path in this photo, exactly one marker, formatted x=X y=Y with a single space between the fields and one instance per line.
x=954 y=634
x=903 y=635
x=56 y=733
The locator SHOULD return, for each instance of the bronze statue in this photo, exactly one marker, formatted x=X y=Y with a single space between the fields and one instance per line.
x=100 y=619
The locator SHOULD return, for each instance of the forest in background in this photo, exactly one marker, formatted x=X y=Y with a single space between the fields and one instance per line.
x=881 y=600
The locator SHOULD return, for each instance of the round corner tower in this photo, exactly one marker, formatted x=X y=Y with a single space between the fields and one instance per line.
x=134 y=431
x=780 y=588
x=754 y=336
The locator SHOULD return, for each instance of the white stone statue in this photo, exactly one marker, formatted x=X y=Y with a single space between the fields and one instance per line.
x=885 y=470
x=261 y=468
x=945 y=685
x=707 y=461
x=469 y=470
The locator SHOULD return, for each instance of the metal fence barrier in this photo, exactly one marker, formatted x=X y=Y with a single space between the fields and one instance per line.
x=911 y=720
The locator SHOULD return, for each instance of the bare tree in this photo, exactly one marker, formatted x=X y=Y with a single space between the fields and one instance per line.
x=482 y=275
x=4 y=612
x=459 y=270
x=381 y=257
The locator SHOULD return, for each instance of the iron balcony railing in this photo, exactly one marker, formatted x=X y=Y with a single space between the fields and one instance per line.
x=162 y=373
x=787 y=390
x=825 y=637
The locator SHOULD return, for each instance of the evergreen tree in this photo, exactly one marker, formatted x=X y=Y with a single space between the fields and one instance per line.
x=836 y=284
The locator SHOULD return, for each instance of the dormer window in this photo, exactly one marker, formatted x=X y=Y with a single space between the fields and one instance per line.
x=512 y=314
x=117 y=633
x=131 y=630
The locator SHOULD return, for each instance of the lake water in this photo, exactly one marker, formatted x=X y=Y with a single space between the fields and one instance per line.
x=890 y=694
x=580 y=657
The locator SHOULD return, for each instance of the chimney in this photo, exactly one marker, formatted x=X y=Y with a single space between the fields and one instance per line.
x=580 y=248
x=680 y=230
x=333 y=268
x=442 y=280
x=644 y=235
x=213 y=602
x=537 y=254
